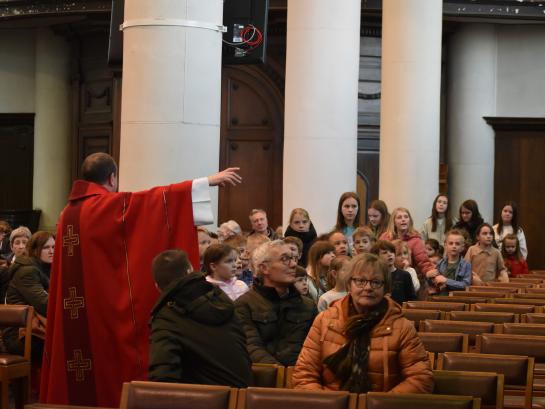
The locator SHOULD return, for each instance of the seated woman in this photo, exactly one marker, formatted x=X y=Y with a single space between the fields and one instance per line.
x=28 y=286
x=362 y=342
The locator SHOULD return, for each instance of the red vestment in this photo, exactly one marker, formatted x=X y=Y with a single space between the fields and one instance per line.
x=102 y=289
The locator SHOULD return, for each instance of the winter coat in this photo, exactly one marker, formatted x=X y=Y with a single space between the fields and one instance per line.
x=275 y=327
x=398 y=361
x=196 y=336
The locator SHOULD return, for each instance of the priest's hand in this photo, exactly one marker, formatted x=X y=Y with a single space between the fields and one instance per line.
x=228 y=175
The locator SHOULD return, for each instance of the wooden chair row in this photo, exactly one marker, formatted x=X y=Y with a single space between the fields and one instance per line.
x=156 y=395
x=517 y=306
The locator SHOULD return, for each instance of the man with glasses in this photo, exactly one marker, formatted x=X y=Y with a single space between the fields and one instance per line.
x=275 y=317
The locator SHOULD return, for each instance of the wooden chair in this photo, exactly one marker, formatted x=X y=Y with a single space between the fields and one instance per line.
x=533 y=318
x=432 y=305
x=14 y=368
x=517 y=370
x=482 y=316
x=417 y=315
x=522 y=329
x=288 y=383
x=488 y=386
x=537 y=302
x=437 y=342
x=268 y=375
x=535 y=291
x=467 y=299
x=465 y=327
x=481 y=294
x=532 y=295
x=510 y=284
x=524 y=280
x=514 y=308
x=382 y=400
x=272 y=398
x=160 y=395
x=485 y=288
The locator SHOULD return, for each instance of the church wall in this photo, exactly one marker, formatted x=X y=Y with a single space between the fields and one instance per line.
x=17 y=57
x=521 y=65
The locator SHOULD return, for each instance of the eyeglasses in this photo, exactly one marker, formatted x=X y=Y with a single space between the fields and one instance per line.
x=286 y=259
x=362 y=282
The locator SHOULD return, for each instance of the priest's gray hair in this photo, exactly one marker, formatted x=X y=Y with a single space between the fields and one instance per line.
x=262 y=254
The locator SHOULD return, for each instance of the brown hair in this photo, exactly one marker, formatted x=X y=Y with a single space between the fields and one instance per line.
x=384 y=246
x=341 y=224
x=363 y=261
x=435 y=215
x=315 y=254
x=294 y=240
x=37 y=242
x=518 y=253
x=5 y=227
x=236 y=241
x=392 y=229
x=364 y=231
x=169 y=266
x=214 y=254
x=380 y=206
x=336 y=265
x=301 y=211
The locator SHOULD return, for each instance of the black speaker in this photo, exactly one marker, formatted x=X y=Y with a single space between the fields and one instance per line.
x=115 y=46
x=245 y=41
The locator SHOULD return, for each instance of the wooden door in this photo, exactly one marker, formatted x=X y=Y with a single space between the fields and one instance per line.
x=519 y=175
x=252 y=139
x=17 y=163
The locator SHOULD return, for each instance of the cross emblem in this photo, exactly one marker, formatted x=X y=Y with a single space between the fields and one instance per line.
x=79 y=365
x=70 y=240
x=73 y=303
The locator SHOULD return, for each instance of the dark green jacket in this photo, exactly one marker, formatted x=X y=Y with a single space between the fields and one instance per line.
x=275 y=327
x=196 y=336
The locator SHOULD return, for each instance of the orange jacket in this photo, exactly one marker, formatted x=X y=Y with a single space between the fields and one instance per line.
x=398 y=361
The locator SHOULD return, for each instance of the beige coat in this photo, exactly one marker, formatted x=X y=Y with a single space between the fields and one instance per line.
x=398 y=361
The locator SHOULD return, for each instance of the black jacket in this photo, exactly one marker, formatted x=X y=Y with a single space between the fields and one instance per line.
x=196 y=336
x=275 y=327
x=401 y=286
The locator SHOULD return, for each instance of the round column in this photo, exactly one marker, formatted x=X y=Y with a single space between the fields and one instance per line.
x=52 y=154
x=321 y=112
x=471 y=96
x=410 y=105
x=171 y=96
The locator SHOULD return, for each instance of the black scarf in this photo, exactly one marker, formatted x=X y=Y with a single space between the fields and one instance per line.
x=350 y=363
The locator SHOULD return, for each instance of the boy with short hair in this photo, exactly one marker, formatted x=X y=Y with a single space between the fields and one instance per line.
x=364 y=239
x=453 y=271
x=296 y=246
x=196 y=336
x=301 y=280
x=401 y=285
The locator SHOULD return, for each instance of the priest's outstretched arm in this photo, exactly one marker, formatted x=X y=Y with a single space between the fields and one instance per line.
x=200 y=193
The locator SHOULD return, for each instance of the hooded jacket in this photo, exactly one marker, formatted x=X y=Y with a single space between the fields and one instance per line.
x=398 y=361
x=196 y=336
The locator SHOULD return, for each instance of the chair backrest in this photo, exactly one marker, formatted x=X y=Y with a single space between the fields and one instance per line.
x=444 y=341
x=465 y=327
x=531 y=280
x=159 y=395
x=482 y=316
x=274 y=398
x=535 y=290
x=417 y=315
x=467 y=299
x=488 y=288
x=522 y=301
x=432 y=305
x=524 y=329
x=529 y=345
x=515 y=308
x=533 y=318
x=512 y=284
x=19 y=316
x=536 y=296
x=485 y=385
x=481 y=294
x=517 y=370
x=382 y=400
x=268 y=375
x=288 y=383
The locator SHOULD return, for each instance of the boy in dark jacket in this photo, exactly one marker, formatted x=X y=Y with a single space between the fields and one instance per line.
x=195 y=334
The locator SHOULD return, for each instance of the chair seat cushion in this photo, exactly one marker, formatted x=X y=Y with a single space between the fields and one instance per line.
x=11 y=359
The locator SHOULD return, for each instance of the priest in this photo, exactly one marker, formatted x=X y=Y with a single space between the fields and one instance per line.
x=102 y=290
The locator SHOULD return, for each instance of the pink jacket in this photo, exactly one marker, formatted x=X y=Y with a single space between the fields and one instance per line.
x=418 y=250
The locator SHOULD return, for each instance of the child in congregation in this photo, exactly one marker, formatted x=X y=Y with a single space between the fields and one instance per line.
x=486 y=260
x=301 y=281
x=401 y=284
x=379 y=217
x=204 y=241
x=301 y=226
x=348 y=216
x=339 y=241
x=509 y=224
x=253 y=241
x=296 y=246
x=239 y=242
x=440 y=222
x=363 y=239
x=320 y=256
x=453 y=271
x=512 y=256
x=470 y=219
x=220 y=265
x=434 y=250
x=403 y=261
x=338 y=272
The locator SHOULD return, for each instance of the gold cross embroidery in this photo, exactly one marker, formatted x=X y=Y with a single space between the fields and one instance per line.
x=73 y=303
x=70 y=240
x=79 y=365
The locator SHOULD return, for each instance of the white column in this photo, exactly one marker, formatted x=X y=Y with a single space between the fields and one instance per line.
x=409 y=111
x=171 y=96
x=472 y=95
x=51 y=127
x=321 y=113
